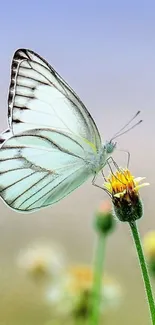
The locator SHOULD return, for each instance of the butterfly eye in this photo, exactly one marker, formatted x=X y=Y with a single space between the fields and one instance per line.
x=110 y=146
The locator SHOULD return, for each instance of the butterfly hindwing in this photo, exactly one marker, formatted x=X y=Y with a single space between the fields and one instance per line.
x=39 y=168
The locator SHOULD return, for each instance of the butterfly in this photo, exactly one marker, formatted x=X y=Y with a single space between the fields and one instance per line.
x=52 y=144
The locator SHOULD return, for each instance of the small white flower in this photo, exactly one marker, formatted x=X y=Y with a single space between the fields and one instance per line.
x=72 y=295
x=42 y=260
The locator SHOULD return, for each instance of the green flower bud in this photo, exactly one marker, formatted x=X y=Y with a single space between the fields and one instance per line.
x=104 y=219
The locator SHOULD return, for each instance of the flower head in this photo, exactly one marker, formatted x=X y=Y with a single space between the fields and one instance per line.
x=124 y=190
x=74 y=294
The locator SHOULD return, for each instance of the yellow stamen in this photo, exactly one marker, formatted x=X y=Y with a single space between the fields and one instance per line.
x=123 y=182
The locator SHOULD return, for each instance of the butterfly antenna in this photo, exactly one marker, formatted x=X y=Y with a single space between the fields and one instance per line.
x=118 y=133
x=126 y=131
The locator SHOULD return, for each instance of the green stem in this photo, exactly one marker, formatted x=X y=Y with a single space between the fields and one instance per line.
x=144 y=269
x=98 y=277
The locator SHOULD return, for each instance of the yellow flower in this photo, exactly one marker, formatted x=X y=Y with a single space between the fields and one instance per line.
x=124 y=190
x=74 y=294
x=149 y=244
x=123 y=183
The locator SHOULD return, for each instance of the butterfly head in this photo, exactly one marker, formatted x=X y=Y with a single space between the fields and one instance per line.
x=110 y=147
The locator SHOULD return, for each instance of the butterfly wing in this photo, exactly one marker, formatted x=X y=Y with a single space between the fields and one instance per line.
x=45 y=152
x=5 y=135
x=39 y=167
x=39 y=97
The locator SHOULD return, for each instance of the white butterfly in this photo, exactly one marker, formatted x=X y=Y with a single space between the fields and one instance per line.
x=52 y=145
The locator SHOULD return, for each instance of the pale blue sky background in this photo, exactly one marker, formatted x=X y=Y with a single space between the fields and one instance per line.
x=106 y=51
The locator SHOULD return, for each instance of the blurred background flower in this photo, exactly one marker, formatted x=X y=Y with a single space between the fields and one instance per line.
x=42 y=261
x=149 y=250
x=71 y=298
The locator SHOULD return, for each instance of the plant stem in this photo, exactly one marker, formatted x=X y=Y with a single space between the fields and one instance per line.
x=98 y=277
x=145 y=274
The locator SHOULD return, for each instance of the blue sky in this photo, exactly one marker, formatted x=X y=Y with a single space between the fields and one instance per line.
x=104 y=49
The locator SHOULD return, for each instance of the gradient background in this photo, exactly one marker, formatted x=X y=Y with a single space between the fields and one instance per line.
x=106 y=51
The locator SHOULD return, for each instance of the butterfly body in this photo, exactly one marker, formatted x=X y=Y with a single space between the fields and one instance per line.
x=52 y=145
x=96 y=162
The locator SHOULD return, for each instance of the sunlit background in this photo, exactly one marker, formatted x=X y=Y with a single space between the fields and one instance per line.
x=106 y=51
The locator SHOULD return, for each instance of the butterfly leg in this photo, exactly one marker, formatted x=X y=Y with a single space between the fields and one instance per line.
x=111 y=159
x=128 y=156
x=115 y=164
x=94 y=184
x=101 y=187
x=103 y=175
x=117 y=167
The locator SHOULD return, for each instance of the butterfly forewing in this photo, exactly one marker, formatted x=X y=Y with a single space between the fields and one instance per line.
x=39 y=97
x=5 y=135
